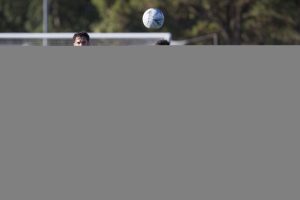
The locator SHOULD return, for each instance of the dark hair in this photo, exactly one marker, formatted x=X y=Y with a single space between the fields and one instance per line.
x=162 y=42
x=82 y=35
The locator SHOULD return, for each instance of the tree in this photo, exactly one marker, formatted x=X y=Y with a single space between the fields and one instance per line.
x=13 y=14
x=64 y=15
x=235 y=21
x=283 y=22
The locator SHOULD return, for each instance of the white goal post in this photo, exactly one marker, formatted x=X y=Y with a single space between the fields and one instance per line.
x=65 y=39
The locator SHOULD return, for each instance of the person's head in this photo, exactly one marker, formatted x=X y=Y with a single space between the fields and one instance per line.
x=81 y=39
x=162 y=42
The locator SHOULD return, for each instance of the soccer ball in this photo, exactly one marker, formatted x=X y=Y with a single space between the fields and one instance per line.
x=153 y=18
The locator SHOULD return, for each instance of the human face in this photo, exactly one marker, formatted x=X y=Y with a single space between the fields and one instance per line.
x=80 y=41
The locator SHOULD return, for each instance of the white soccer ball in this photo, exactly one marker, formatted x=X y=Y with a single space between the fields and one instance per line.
x=153 y=18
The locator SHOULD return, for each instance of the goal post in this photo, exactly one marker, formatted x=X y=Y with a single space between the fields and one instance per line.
x=65 y=39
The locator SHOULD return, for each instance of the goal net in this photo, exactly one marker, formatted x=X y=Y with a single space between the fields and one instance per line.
x=209 y=39
x=65 y=39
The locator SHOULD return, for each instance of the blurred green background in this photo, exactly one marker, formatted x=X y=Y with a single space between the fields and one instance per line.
x=269 y=22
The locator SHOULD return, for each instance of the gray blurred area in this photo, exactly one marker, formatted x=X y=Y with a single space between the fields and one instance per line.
x=149 y=123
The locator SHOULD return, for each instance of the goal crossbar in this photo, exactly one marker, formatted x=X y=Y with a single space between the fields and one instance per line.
x=166 y=36
x=97 y=38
